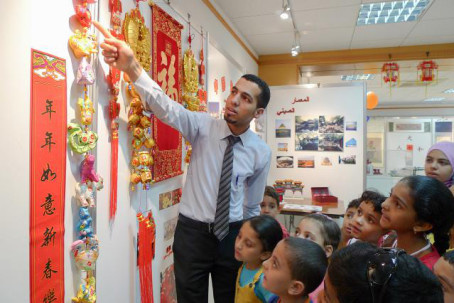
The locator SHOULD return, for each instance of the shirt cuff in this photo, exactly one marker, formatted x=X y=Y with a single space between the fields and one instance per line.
x=145 y=80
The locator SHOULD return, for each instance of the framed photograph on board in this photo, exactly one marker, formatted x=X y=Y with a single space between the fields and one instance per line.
x=375 y=149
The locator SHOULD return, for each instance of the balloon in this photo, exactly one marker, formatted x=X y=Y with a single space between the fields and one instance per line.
x=372 y=100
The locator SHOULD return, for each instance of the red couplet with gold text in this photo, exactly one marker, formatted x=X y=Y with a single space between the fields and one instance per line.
x=47 y=177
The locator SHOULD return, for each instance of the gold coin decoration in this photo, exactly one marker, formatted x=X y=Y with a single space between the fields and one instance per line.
x=138 y=37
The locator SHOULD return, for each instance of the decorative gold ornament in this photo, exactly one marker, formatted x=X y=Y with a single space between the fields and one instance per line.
x=138 y=37
x=191 y=72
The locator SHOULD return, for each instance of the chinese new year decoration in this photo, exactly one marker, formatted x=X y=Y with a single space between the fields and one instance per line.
x=82 y=140
x=427 y=71
x=145 y=254
x=390 y=74
x=137 y=35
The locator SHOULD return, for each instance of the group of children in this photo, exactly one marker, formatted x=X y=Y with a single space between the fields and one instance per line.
x=412 y=223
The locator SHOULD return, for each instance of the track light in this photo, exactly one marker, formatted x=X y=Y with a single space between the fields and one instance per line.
x=285 y=10
x=296 y=48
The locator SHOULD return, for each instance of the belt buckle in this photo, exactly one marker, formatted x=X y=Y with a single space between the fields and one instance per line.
x=210 y=227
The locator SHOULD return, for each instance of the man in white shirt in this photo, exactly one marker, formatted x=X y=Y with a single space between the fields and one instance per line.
x=225 y=181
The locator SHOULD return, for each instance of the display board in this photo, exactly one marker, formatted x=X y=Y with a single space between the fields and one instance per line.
x=317 y=136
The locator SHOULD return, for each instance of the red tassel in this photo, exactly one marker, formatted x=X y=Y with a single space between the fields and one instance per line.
x=144 y=259
x=113 y=173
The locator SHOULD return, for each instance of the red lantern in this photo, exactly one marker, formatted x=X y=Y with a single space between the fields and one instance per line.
x=427 y=69
x=391 y=72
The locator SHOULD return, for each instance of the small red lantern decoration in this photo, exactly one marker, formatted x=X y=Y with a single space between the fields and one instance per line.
x=427 y=68
x=391 y=73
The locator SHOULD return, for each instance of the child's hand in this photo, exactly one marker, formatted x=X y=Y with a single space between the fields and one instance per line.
x=118 y=54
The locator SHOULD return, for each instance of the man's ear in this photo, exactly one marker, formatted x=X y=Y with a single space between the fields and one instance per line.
x=328 y=250
x=296 y=288
x=259 y=112
x=265 y=255
x=422 y=227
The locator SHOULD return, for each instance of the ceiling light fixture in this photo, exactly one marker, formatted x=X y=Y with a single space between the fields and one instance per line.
x=434 y=99
x=449 y=91
x=296 y=48
x=285 y=10
x=391 y=11
x=358 y=77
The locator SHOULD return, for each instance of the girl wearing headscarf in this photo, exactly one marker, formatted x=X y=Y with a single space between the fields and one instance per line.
x=440 y=165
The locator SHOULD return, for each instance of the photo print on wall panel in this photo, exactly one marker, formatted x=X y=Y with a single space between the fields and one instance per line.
x=306 y=162
x=331 y=142
x=347 y=159
x=282 y=147
x=284 y=161
x=351 y=126
x=331 y=124
x=306 y=133
x=326 y=161
x=283 y=128
x=351 y=143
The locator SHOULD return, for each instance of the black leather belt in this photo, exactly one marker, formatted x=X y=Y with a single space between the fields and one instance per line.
x=205 y=226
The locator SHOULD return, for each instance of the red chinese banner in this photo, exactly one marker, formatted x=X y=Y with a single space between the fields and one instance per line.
x=47 y=177
x=167 y=72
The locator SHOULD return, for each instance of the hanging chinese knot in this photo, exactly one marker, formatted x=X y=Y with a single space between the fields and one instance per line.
x=390 y=73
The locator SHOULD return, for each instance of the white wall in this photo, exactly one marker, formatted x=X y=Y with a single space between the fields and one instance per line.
x=45 y=25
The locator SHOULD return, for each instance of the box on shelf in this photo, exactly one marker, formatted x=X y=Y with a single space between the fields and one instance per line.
x=321 y=194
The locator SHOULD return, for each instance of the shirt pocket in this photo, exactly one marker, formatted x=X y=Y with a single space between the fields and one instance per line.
x=238 y=183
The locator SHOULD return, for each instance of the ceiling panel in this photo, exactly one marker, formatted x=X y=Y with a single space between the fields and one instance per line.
x=242 y=8
x=282 y=43
x=299 y=5
x=440 y=27
x=340 y=36
x=383 y=31
x=375 y=43
x=344 y=16
x=439 y=9
x=428 y=40
x=263 y=25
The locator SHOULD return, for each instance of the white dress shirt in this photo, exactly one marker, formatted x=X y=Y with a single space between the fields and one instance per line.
x=208 y=137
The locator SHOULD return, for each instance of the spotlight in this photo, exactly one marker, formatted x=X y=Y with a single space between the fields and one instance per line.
x=285 y=10
x=294 y=52
x=284 y=15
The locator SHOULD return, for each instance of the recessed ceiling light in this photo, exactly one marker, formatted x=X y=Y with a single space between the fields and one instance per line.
x=391 y=12
x=449 y=91
x=358 y=77
x=434 y=99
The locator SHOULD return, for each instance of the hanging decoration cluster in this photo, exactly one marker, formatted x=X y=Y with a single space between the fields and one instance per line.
x=145 y=255
x=138 y=37
x=390 y=74
x=82 y=140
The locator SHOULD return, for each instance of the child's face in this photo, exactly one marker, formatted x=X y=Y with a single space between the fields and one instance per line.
x=445 y=273
x=347 y=224
x=438 y=166
x=366 y=223
x=269 y=207
x=397 y=211
x=277 y=277
x=248 y=247
x=310 y=230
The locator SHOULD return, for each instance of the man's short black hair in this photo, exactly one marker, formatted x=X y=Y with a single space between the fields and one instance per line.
x=307 y=261
x=449 y=256
x=412 y=282
x=265 y=94
x=373 y=197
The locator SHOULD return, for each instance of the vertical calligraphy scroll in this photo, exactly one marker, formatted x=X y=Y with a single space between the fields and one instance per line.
x=47 y=177
x=167 y=72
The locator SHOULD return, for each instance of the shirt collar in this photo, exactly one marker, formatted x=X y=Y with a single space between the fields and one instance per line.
x=245 y=137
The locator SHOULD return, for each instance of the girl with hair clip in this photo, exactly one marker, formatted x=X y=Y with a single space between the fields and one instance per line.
x=254 y=244
x=419 y=205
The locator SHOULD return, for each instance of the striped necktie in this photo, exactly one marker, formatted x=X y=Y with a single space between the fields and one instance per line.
x=221 y=219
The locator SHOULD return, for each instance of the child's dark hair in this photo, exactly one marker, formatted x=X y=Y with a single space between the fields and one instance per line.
x=329 y=229
x=373 y=197
x=268 y=230
x=449 y=256
x=411 y=282
x=354 y=203
x=307 y=262
x=271 y=192
x=434 y=204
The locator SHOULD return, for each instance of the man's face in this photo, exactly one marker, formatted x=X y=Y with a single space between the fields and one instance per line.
x=241 y=104
x=445 y=273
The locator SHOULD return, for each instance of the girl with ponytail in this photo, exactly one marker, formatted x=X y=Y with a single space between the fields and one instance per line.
x=419 y=205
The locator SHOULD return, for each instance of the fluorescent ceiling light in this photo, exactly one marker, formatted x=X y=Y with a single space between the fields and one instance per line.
x=449 y=91
x=391 y=12
x=434 y=99
x=358 y=77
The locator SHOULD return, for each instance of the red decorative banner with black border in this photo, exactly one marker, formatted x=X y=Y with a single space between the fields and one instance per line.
x=167 y=72
x=47 y=177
